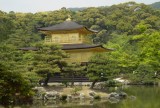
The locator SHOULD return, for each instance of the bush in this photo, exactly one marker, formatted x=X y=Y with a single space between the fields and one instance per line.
x=76 y=89
x=149 y=82
x=97 y=97
x=63 y=97
x=65 y=82
x=13 y=87
x=112 y=83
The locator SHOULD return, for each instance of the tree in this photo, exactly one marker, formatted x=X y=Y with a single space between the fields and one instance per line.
x=101 y=37
x=19 y=62
x=101 y=68
x=149 y=55
x=72 y=70
x=141 y=27
x=12 y=86
x=47 y=60
x=6 y=26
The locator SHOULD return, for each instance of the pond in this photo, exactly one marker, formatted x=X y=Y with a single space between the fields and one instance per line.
x=138 y=97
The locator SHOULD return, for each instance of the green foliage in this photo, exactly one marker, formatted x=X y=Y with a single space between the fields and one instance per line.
x=97 y=97
x=137 y=56
x=6 y=26
x=101 y=37
x=141 y=27
x=101 y=68
x=112 y=83
x=46 y=61
x=71 y=70
x=125 y=54
x=12 y=86
x=76 y=90
x=33 y=65
x=156 y=5
x=149 y=56
x=46 y=58
x=63 y=97
x=19 y=62
x=123 y=18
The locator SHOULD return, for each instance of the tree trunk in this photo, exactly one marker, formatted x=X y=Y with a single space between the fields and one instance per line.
x=47 y=79
x=93 y=83
x=72 y=83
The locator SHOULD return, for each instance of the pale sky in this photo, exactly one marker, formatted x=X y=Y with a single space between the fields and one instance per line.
x=50 y=5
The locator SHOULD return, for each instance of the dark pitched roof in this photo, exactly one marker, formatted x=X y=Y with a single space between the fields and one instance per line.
x=81 y=46
x=66 y=25
x=69 y=47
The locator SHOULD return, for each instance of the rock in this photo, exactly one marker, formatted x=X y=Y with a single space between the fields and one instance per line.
x=113 y=100
x=123 y=95
x=39 y=89
x=132 y=97
x=121 y=80
x=91 y=97
x=63 y=97
x=52 y=95
x=92 y=93
x=69 y=97
x=100 y=85
x=97 y=97
x=39 y=92
x=81 y=96
x=114 y=94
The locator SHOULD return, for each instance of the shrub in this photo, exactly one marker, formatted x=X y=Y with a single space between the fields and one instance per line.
x=112 y=83
x=76 y=89
x=13 y=87
x=63 y=97
x=97 y=97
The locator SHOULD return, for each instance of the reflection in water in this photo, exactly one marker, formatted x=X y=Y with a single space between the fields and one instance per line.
x=138 y=97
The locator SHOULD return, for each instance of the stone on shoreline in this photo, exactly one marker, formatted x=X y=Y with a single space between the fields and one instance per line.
x=52 y=95
x=117 y=96
x=43 y=93
x=92 y=93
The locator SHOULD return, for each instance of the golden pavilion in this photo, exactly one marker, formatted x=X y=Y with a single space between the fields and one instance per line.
x=74 y=38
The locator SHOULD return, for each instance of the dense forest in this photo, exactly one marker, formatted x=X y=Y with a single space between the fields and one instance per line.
x=131 y=29
x=156 y=5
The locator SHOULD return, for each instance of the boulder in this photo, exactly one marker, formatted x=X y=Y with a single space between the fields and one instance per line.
x=132 y=97
x=52 y=95
x=81 y=96
x=39 y=92
x=69 y=97
x=121 y=95
x=113 y=100
x=114 y=94
x=92 y=93
x=63 y=97
x=91 y=97
x=39 y=89
x=100 y=85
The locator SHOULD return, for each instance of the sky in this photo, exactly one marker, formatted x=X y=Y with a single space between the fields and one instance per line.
x=50 y=5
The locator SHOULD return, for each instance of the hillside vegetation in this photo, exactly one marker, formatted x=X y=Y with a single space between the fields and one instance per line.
x=156 y=5
x=124 y=18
